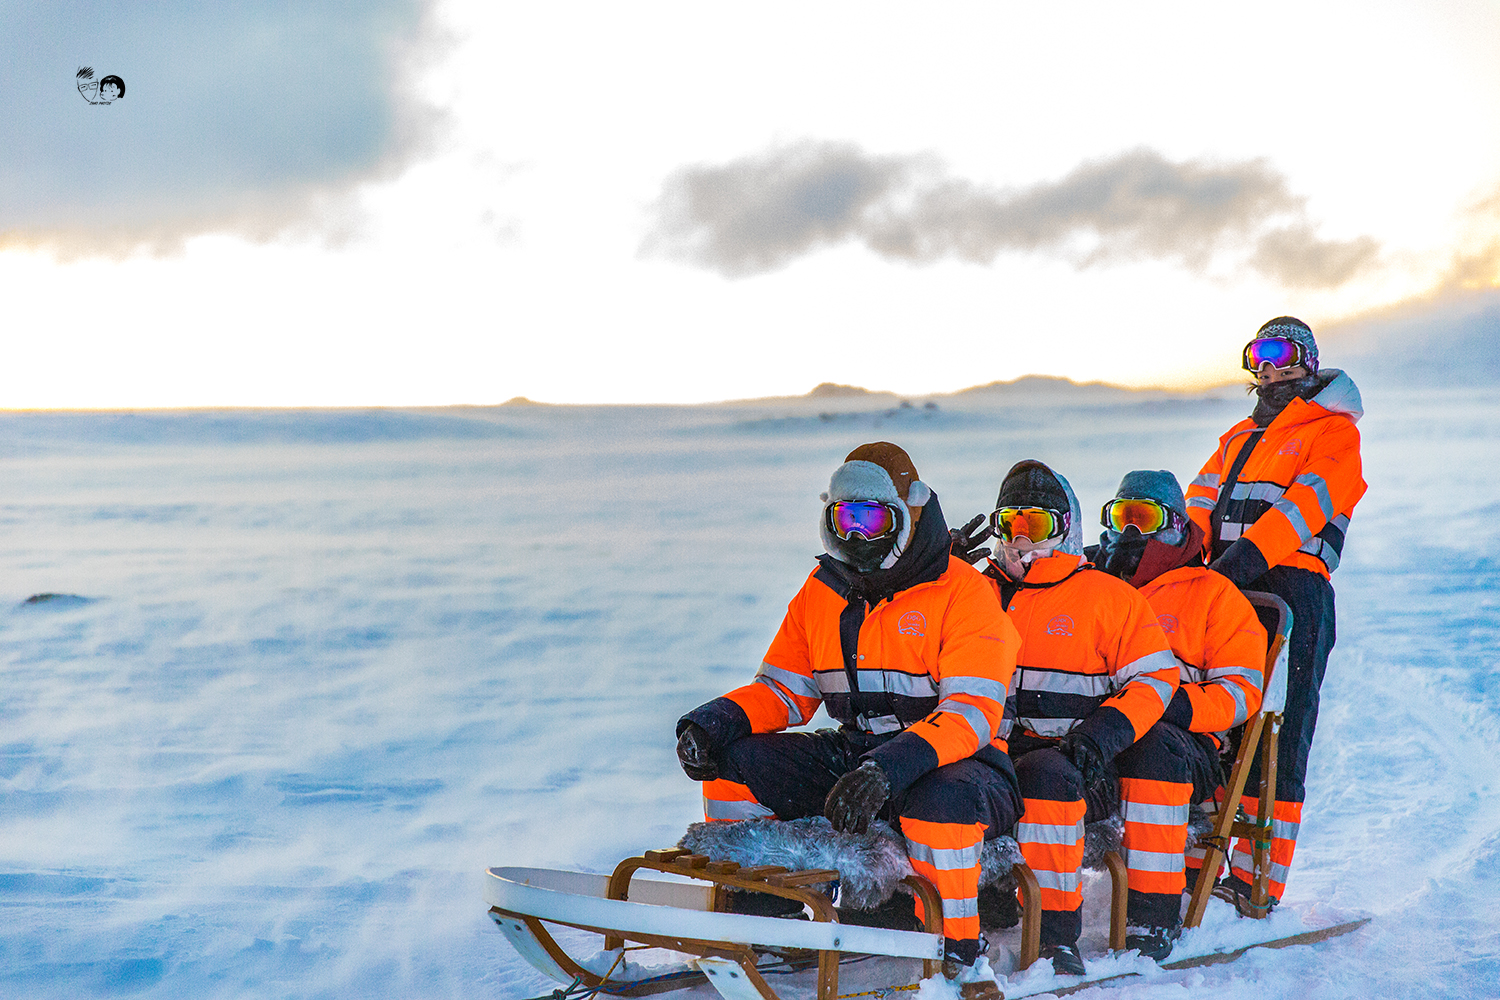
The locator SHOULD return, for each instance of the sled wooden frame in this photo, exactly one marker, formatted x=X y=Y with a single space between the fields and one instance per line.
x=522 y=904
x=1260 y=735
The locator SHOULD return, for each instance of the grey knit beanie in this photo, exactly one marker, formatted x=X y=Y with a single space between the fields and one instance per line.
x=1292 y=328
x=1160 y=486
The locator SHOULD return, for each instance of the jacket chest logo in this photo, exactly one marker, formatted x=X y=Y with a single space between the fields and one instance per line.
x=1060 y=625
x=1168 y=623
x=912 y=623
x=1292 y=447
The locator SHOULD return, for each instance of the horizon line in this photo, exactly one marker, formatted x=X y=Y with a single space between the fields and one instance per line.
x=821 y=391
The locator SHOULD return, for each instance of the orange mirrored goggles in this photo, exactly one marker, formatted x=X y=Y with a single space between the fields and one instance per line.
x=1146 y=516
x=1036 y=523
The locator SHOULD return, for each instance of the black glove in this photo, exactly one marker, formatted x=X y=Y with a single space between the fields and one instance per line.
x=1241 y=562
x=968 y=542
x=696 y=753
x=1085 y=755
x=857 y=797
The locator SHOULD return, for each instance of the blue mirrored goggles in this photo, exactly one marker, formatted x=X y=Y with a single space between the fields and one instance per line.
x=1281 y=352
x=867 y=518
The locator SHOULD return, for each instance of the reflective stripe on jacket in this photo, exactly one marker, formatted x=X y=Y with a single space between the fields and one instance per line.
x=1219 y=643
x=935 y=660
x=1090 y=650
x=1297 y=490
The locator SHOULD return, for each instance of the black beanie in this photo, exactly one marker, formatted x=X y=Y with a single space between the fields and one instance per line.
x=1032 y=484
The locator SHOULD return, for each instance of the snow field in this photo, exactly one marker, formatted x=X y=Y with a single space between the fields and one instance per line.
x=332 y=665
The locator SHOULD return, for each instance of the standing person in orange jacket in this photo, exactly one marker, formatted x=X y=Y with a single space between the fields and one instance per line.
x=1220 y=644
x=1093 y=678
x=1274 y=500
x=908 y=649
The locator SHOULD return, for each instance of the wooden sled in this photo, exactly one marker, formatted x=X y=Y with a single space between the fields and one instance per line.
x=691 y=918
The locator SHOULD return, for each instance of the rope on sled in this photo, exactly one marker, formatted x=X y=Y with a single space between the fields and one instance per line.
x=884 y=991
x=566 y=993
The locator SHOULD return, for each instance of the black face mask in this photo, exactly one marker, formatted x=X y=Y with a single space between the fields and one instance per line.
x=1119 y=556
x=1274 y=397
x=866 y=554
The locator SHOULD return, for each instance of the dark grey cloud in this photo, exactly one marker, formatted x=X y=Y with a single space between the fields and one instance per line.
x=250 y=117
x=761 y=212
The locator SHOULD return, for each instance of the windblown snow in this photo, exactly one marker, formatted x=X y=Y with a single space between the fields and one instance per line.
x=310 y=673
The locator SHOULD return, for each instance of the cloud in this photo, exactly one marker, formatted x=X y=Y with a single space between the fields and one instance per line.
x=762 y=212
x=1296 y=257
x=253 y=118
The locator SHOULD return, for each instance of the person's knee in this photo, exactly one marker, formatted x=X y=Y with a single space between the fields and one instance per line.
x=1047 y=774
x=1161 y=753
x=942 y=802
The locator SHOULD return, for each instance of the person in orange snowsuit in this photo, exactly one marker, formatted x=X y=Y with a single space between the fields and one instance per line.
x=1093 y=679
x=1220 y=644
x=907 y=648
x=1274 y=500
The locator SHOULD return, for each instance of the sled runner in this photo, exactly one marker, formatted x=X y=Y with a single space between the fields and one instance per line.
x=691 y=918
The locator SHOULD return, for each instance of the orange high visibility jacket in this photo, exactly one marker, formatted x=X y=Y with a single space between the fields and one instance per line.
x=1295 y=494
x=934 y=660
x=1092 y=654
x=1219 y=643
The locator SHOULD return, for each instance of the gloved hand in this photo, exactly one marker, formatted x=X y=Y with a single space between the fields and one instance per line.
x=1241 y=563
x=968 y=542
x=1081 y=749
x=857 y=797
x=695 y=752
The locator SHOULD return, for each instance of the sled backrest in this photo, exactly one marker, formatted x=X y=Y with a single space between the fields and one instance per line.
x=1276 y=616
x=1259 y=737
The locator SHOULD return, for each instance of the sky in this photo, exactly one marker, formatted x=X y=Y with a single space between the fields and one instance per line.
x=427 y=203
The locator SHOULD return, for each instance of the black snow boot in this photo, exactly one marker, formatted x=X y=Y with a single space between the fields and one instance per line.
x=1154 y=943
x=1065 y=959
x=763 y=904
x=998 y=907
x=897 y=914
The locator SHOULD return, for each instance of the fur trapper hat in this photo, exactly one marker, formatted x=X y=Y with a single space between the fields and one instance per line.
x=877 y=471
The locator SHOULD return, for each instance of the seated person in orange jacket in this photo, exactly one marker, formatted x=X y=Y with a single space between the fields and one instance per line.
x=1094 y=676
x=1220 y=644
x=907 y=648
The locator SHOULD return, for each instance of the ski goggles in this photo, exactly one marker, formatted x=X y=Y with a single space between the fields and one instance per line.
x=1037 y=523
x=1146 y=516
x=869 y=518
x=1281 y=352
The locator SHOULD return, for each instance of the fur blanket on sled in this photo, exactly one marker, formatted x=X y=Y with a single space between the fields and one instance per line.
x=871 y=865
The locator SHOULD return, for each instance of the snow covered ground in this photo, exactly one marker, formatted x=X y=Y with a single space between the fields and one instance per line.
x=328 y=666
